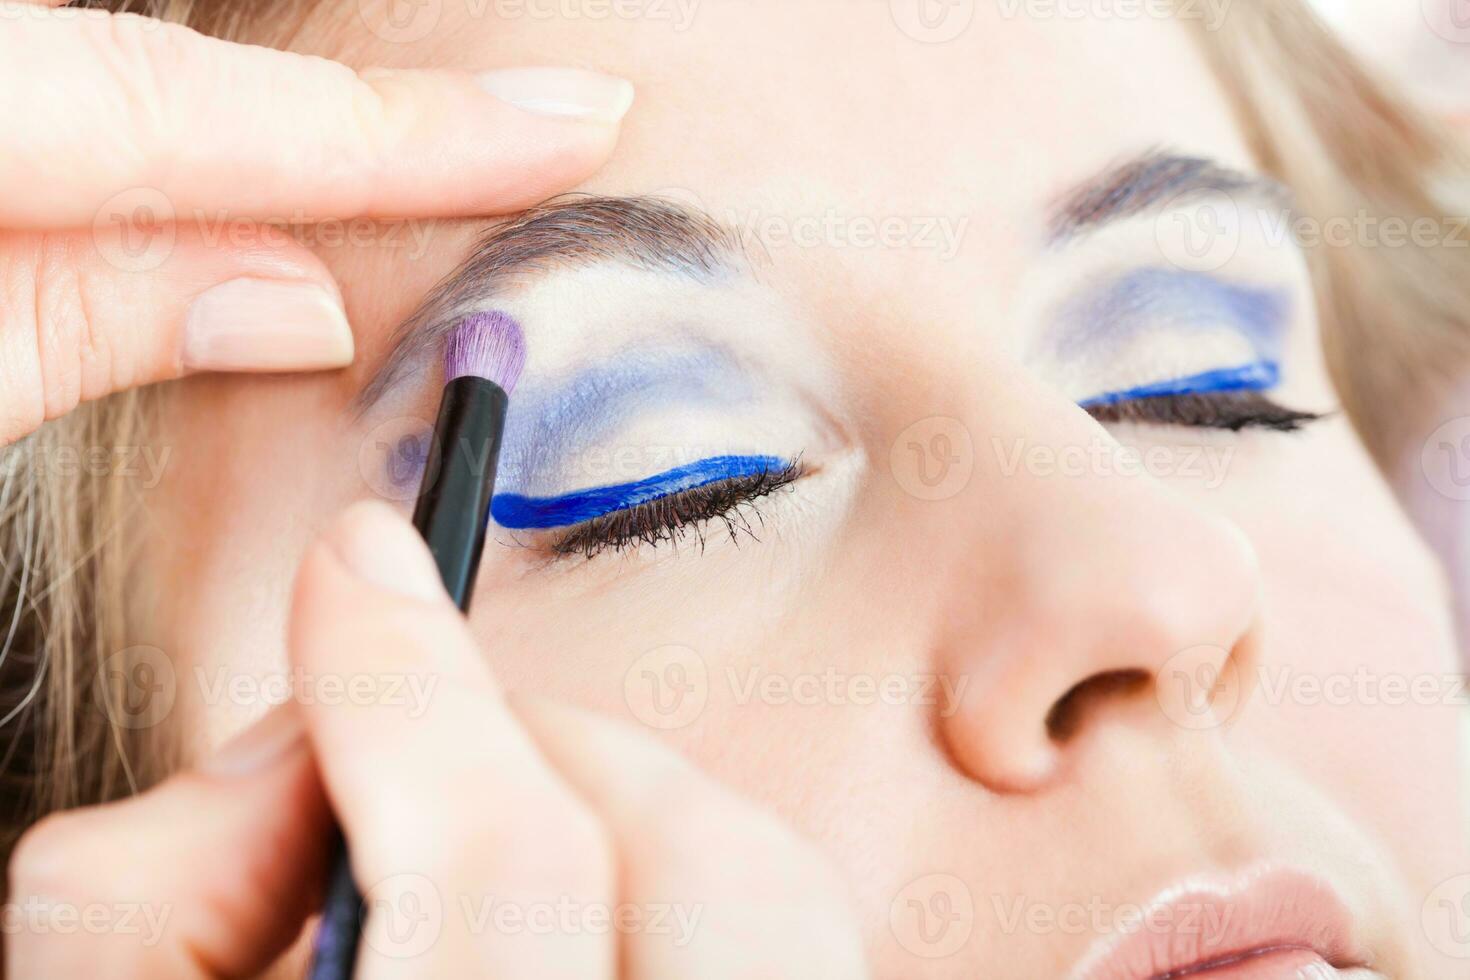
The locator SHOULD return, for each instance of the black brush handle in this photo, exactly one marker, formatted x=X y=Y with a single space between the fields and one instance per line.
x=459 y=479
x=452 y=515
x=335 y=954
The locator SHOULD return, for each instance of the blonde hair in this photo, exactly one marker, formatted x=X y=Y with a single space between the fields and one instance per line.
x=64 y=562
x=1318 y=122
x=1349 y=147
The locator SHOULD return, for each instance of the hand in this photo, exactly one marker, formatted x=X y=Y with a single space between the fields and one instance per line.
x=491 y=837
x=109 y=118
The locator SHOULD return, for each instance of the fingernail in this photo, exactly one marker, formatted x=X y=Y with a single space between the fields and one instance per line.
x=567 y=92
x=266 y=325
x=384 y=550
x=254 y=749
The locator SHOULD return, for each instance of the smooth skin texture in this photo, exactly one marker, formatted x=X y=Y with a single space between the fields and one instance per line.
x=175 y=134
x=1017 y=588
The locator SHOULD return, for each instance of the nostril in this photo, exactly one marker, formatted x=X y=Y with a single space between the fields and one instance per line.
x=1069 y=714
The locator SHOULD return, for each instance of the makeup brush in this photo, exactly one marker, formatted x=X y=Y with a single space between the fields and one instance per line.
x=482 y=362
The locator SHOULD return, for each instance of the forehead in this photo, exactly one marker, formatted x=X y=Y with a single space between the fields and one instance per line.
x=806 y=97
x=862 y=149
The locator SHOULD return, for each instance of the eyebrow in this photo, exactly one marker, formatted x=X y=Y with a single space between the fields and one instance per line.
x=1153 y=181
x=665 y=236
x=645 y=232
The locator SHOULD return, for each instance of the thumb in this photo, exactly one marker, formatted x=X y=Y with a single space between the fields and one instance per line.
x=210 y=874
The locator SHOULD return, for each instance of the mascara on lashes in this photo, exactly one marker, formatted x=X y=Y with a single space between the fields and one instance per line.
x=517 y=512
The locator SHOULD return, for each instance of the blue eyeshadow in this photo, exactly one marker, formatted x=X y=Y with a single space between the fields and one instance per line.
x=552 y=421
x=1144 y=298
x=1112 y=314
x=1257 y=376
x=515 y=511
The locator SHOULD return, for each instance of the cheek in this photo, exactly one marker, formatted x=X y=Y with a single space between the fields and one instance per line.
x=1358 y=688
x=1361 y=702
x=1433 y=484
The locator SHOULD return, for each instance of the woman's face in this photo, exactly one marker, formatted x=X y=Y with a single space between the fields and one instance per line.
x=1015 y=665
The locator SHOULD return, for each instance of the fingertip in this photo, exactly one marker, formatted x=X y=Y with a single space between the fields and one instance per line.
x=502 y=139
x=382 y=549
x=252 y=324
x=564 y=93
x=368 y=601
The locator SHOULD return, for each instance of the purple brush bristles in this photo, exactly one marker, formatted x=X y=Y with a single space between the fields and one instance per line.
x=486 y=345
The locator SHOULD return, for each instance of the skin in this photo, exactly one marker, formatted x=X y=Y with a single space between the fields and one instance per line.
x=1016 y=588
x=131 y=159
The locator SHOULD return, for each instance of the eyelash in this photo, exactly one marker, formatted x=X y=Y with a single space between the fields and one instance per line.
x=673 y=517
x=1232 y=410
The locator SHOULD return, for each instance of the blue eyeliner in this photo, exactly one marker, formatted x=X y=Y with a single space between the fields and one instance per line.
x=515 y=511
x=1257 y=376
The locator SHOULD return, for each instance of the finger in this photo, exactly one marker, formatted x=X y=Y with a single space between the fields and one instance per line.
x=449 y=811
x=88 y=320
x=265 y=133
x=713 y=887
x=210 y=874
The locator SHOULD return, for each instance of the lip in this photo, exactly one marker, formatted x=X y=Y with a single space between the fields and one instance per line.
x=1263 y=923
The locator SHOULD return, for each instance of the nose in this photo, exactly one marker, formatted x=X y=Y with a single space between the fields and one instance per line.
x=1086 y=598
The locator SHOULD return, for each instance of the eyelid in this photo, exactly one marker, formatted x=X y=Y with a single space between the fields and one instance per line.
x=1122 y=305
x=517 y=512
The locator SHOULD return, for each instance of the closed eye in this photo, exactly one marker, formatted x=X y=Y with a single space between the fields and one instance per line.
x=665 y=507
x=1227 y=398
x=1234 y=411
